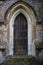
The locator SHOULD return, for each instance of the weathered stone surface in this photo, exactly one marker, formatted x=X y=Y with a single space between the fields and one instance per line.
x=20 y=60
x=37 y=5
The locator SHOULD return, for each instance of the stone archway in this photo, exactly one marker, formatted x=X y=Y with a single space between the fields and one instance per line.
x=12 y=29
x=31 y=20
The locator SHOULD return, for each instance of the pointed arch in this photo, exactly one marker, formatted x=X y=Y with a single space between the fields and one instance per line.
x=12 y=29
x=28 y=12
x=20 y=5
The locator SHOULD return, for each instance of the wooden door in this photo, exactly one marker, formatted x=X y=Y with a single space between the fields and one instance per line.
x=20 y=35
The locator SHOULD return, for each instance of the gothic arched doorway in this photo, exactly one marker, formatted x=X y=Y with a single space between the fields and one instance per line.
x=20 y=35
x=29 y=16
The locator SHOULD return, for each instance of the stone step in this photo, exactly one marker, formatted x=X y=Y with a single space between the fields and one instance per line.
x=19 y=60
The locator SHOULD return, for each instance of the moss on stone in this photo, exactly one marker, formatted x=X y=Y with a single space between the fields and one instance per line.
x=20 y=61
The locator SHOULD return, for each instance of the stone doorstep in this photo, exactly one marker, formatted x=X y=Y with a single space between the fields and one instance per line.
x=21 y=57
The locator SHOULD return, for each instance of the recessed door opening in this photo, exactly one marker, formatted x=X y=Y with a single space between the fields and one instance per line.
x=20 y=35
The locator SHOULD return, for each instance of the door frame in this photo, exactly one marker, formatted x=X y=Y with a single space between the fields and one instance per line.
x=12 y=29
